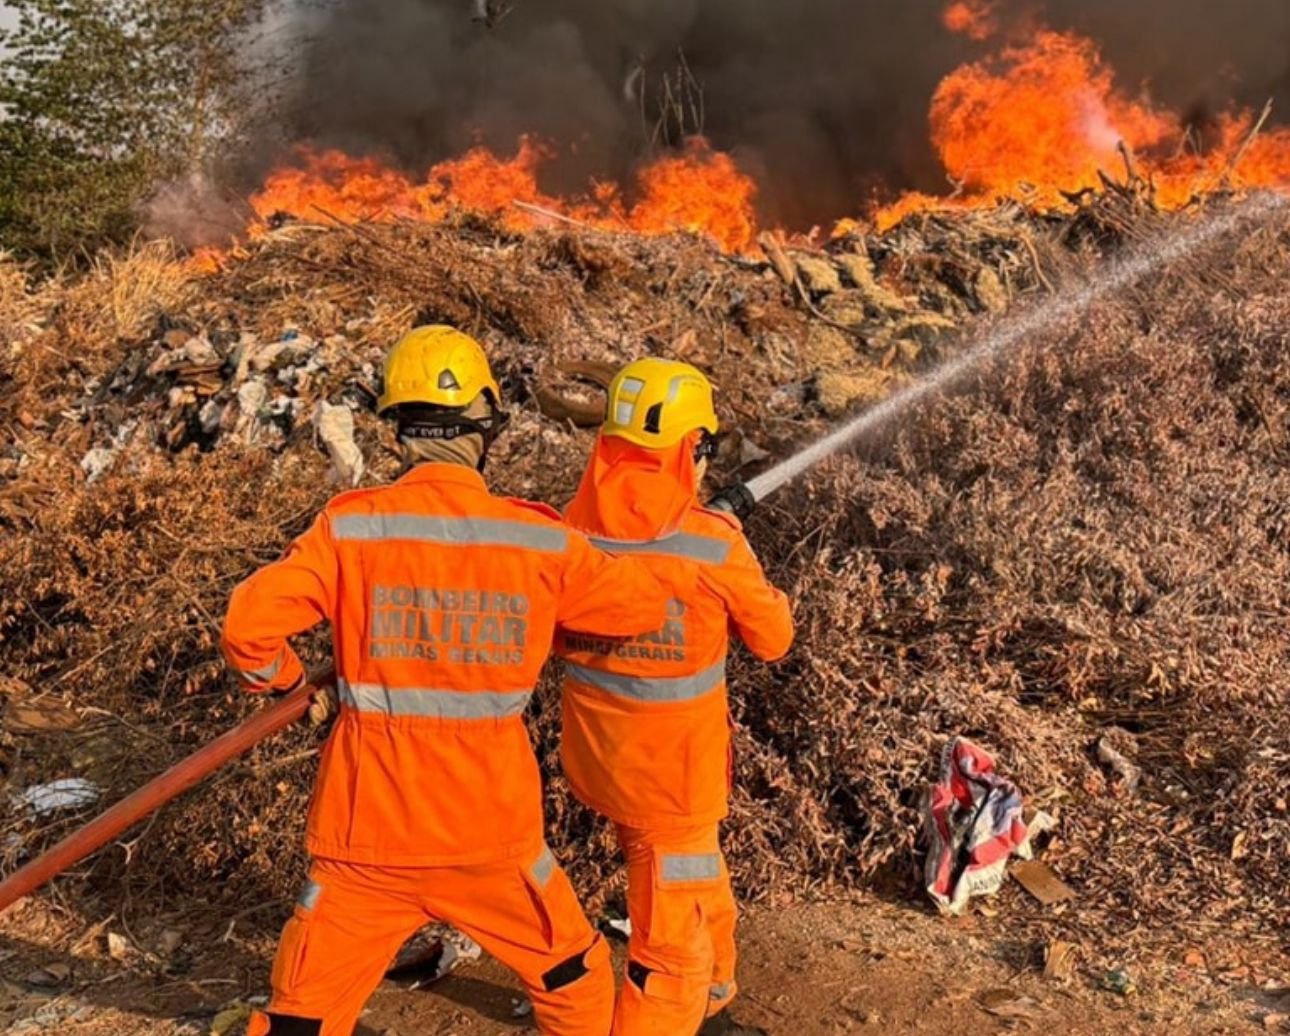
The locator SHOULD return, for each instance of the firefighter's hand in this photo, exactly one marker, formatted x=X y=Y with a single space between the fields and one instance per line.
x=736 y=499
x=324 y=706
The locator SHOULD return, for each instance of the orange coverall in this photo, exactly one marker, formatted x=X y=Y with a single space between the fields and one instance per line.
x=443 y=601
x=646 y=738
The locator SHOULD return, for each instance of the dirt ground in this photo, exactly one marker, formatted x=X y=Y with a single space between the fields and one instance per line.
x=817 y=969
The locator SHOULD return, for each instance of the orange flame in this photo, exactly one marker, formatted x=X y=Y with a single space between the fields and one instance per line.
x=699 y=190
x=977 y=19
x=1044 y=118
x=1038 y=120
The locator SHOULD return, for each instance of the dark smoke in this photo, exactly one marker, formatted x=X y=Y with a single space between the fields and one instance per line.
x=825 y=101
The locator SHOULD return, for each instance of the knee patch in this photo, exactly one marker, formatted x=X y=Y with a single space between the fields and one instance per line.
x=292 y=1025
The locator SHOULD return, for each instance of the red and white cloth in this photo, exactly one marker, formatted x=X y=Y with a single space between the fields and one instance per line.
x=974 y=825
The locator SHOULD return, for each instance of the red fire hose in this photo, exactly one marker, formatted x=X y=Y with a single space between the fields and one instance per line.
x=157 y=792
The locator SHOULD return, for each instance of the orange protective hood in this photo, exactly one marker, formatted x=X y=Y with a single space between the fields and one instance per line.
x=629 y=492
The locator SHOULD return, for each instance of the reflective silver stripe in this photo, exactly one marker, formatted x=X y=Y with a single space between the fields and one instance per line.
x=544 y=867
x=309 y=895
x=678 y=545
x=651 y=688
x=435 y=704
x=262 y=675
x=692 y=868
x=720 y=990
x=488 y=532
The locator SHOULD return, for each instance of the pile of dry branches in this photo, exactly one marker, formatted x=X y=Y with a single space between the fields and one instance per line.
x=1092 y=541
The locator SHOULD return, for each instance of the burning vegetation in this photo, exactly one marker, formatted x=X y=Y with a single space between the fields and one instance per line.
x=1038 y=120
x=1089 y=542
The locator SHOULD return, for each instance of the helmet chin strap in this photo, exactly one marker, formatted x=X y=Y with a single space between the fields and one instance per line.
x=706 y=448
x=435 y=424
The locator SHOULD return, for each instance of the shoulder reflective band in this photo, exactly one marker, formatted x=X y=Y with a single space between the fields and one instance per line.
x=647 y=688
x=428 y=528
x=543 y=867
x=432 y=704
x=703 y=867
x=686 y=545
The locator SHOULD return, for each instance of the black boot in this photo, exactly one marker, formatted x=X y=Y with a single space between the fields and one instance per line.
x=721 y=1024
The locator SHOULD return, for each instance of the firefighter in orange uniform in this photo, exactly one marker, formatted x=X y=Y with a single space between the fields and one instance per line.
x=646 y=736
x=443 y=600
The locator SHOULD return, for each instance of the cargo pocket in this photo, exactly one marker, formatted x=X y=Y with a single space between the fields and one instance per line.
x=682 y=883
x=294 y=942
x=656 y=985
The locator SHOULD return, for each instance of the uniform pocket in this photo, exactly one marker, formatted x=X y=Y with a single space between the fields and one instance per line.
x=295 y=938
x=541 y=877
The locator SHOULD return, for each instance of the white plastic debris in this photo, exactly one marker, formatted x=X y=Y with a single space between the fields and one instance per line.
x=334 y=425
x=623 y=926
x=67 y=793
x=196 y=352
x=521 y=1008
x=199 y=351
x=251 y=397
x=96 y=463
x=210 y=415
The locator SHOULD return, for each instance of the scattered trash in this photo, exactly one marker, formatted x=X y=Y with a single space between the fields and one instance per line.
x=96 y=463
x=1008 y=1003
x=196 y=356
x=618 y=928
x=117 y=947
x=1038 y=879
x=974 y=823
x=521 y=1008
x=1119 y=981
x=431 y=954
x=251 y=399
x=1115 y=760
x=334 y=425
x=229 y=1017
x=1059 y=961
x=68 y=793
x=561 y=397
x=54 y=1017
x=48 y=976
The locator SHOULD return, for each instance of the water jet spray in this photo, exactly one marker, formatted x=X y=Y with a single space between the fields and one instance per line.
x=1118 y=275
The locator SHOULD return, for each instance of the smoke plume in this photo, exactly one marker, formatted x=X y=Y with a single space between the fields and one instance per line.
x=823 y=101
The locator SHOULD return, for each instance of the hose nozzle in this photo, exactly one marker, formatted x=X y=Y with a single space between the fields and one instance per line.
x=736 y=499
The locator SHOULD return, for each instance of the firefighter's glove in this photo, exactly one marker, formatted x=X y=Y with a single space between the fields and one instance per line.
x=736 y=499
x=324 y=707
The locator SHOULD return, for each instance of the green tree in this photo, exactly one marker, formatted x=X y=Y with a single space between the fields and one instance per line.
x=102 y=99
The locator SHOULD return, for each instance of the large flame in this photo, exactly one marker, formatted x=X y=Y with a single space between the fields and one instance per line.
x=699 y=190
x=1038 y=120
x=1043 y=118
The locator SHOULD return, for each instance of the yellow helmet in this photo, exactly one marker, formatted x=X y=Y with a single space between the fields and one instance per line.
x=656 y=403
x=438 y=365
